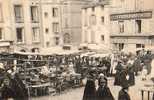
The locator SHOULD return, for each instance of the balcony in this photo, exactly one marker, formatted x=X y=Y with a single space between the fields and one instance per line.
x=19 y=19
x=34 y=20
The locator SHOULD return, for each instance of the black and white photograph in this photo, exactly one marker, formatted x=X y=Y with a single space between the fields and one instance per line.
x=76 y=49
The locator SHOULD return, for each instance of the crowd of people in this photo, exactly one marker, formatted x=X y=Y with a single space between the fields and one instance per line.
x=65 y=71
x=124 y=68
x=61 y=71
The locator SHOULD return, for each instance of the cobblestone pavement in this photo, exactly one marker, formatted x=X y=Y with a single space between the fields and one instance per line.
x=77 y=94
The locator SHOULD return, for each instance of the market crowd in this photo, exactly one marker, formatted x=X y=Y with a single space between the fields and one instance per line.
x=124 y=67
x=65 y=71
x=60 y=71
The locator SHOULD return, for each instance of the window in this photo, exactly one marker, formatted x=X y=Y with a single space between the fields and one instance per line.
x=92 y=36
x=34 y=14
x=1 y=13
x=56 y=40
x=1 y=34
x=55 y=27
x=102 y=19
x=35 y=50
x=46 y=14
x=93 y=8
x=18 y=13
x=85 y=36
x=47 y=30
x=102 y=7
x=121 y=46
x=66 y=22
x=102 y=38
x=55 y=12
x=47 y=44
x=139 y=28
x=36 y=34
x=140 y=45
x=121 y=26
x=85 y=18
x=67 y=38
x=20 y=34
x=93 y=20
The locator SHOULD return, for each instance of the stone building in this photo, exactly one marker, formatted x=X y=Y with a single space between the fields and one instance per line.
x=20 y=25
x=71 y=21
x=96 y=24
x=61 y=22
x=51 y=23
x=132 y=23
x=29 y=25
x=128 y=24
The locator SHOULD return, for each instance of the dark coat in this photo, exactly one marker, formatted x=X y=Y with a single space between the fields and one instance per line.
x=123 y=95
x=89 y=91
x=131 y=74
x=16 y=90
x=104 y=94
x=7 y=93
x=118 y=69
x=137 y=65
x=123 y=80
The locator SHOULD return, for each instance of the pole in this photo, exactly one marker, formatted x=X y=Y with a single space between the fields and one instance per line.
x=25 y=64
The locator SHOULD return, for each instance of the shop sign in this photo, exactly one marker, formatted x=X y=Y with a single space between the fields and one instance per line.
x=131 y=15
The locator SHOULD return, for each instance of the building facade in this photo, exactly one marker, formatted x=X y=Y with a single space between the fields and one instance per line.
x=29 y=25
x=61 y=22
x=128 y=24
x=71 y=21
x=51 y=23
x=20 y=25
x=96 y=24
x=132 y=23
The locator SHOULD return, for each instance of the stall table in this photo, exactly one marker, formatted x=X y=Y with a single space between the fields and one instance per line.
x=42 y=86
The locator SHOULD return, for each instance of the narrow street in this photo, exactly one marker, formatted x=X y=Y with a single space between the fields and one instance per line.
x=77 y=94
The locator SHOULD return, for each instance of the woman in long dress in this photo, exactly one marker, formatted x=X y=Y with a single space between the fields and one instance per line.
x=103 y=92
x=118 y=69
x=90 y=89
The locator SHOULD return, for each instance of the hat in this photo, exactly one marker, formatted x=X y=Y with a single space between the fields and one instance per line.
x=101 y=75
x=102 y=80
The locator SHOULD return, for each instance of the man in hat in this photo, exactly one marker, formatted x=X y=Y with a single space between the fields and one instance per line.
x=103 y=92
x=118 y=69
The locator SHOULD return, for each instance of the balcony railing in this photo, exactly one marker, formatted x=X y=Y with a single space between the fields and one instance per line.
x=19 y=19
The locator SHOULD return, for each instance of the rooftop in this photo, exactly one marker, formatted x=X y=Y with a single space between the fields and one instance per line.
x=95 y=4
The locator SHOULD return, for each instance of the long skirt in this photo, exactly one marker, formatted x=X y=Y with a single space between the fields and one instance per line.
x=90 y=91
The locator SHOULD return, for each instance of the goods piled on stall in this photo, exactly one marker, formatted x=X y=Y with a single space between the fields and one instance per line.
x=43 y=74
